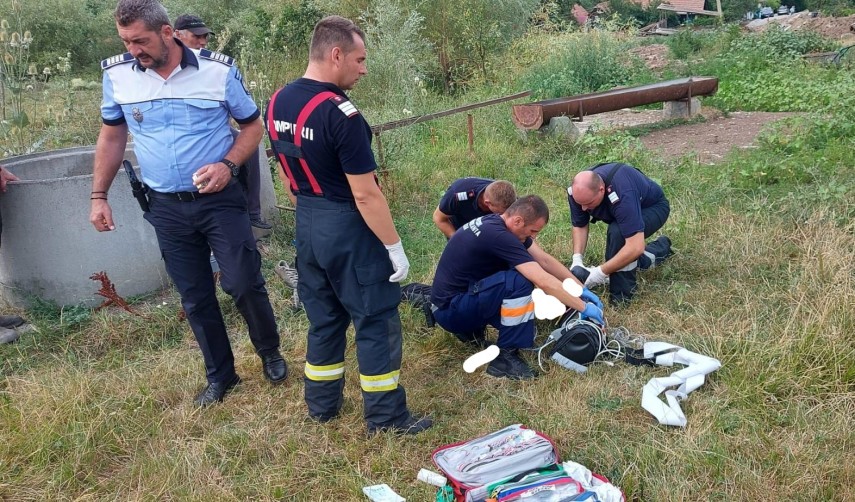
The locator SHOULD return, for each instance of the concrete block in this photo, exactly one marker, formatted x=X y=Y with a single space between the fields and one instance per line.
x=564 y=127
x=49 y=248
x=268 y=193
x=681 y=109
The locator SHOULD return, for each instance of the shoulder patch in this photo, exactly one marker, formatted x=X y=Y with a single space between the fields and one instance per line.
x=463 y=196
x=216 y=56
x=113 y=61
x=613 y=197
x=345 y=106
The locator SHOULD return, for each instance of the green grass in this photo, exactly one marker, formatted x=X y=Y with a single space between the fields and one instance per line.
x=97 y=405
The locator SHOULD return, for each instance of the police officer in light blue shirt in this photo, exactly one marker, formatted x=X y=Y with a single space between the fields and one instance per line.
x=176 y=103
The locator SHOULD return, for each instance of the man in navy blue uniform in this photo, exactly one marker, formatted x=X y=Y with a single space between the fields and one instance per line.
x=176 y=104
x=194 y=33
x=469 y=198
x=351 y=257
x=486 y=275
x=634 y=207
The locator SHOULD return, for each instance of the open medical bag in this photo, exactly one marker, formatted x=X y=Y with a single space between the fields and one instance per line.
x=514 y=464
x=473 y=466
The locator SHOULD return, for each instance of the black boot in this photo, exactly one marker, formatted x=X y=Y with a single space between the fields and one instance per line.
x=510 y=365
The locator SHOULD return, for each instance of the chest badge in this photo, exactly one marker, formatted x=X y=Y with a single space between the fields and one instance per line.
x=137 y=114
x=613 y=198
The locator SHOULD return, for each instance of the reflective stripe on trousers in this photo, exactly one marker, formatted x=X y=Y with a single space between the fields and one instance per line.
x=516 y=311
x=325 y=373
x=502 y=300
x=344 y=277
x=380 y=383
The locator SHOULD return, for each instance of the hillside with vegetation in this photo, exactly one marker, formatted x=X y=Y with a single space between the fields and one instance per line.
x=96 y=404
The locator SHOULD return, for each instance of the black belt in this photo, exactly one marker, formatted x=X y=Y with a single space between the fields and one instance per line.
x=186 y=196
x=179 y=196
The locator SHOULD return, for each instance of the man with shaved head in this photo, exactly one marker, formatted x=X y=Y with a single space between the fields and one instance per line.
x=634 y=207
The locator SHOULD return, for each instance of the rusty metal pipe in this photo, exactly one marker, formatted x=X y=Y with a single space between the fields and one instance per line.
x=535 y=115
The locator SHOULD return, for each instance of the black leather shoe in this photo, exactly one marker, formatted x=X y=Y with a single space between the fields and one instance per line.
x=275 y=369
x=411 y=426
x=10 y=321
x=215 y=392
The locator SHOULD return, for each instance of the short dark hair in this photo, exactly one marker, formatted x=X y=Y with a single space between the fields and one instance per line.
x=502 y=193
x=151 y=12
x=531 y=208
x=333 y=31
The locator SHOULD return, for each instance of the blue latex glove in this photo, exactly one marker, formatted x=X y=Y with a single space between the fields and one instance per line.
x=588 y=296
x=593 y=313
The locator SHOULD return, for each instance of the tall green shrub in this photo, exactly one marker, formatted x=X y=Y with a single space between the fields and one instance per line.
x=84 y=28
x=397 y=60
x=589 y=62
x=467 y=35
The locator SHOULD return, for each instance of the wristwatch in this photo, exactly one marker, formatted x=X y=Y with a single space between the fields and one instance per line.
x=234 y=168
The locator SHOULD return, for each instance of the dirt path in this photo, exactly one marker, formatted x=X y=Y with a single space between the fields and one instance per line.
x=710 y=140
x=713 y=139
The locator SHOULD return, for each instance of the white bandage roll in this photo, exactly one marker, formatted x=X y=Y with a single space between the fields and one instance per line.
x=431 y=478
x=480 y=358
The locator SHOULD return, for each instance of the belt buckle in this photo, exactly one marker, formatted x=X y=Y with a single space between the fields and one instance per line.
x=181 y=196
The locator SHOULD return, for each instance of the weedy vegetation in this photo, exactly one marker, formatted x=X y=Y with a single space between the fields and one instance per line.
x=97 y=404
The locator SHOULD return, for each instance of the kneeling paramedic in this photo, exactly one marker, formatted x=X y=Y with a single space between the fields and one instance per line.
x=350 y=255
x=634 y=207
x=486 y=275
x=469 y=198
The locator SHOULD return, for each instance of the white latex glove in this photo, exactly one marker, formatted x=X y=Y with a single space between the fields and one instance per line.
x=399 y=262
x=577 y=261
x=596 y=278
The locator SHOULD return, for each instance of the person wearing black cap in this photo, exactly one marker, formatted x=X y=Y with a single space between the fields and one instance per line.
x=193 y=33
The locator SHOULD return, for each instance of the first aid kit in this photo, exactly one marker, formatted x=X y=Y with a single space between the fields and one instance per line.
x=516 y=464
x=470 y=466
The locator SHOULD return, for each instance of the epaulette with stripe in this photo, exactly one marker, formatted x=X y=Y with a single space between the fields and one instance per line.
x=345 y=106
x=113 y=61
x=216 y=56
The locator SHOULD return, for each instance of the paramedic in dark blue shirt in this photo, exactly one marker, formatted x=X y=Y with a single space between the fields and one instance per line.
x=634 y=207
x=176 y=104
x=469 y=198
x=350 y=255
x=486 y=275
